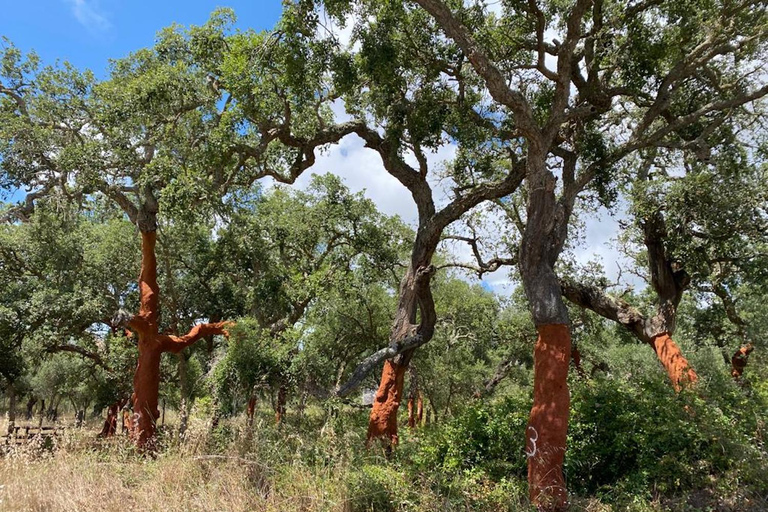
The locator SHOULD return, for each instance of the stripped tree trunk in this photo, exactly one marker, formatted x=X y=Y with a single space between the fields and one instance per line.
x=415 y=295
x=420 y=410
x=282 y=398
x=11 y=408
x=671 y=357
x=152 y=344
x=251 y=410
x=113 y=412
x=739 y=361
x=548 y=422
x=541 y=244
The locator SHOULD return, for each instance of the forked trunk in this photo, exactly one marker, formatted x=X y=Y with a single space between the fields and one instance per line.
x=383 y=421
x=669 y=354
x=548 y=423
x=152 y=344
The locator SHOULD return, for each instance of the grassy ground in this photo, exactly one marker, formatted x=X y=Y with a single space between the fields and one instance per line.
x=304 y=466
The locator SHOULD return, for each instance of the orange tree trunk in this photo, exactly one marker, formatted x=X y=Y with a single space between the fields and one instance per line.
x=415 y=410
x=152 y=344
x=419 y=409
x=282 y=393
x=739 y=361
x=411 y=413
x=548 y=422
x=415 y=297
x=110 y=424
x=669 y=354
x=146 y=386
x=383 y=420
x=251 y=410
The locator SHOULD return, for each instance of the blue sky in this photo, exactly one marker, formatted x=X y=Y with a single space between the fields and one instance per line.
x=90 y=32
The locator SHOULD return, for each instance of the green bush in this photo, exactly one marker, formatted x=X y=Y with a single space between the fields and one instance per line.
x=380 y=488
x=641 y=436
x=627 y=438
x=489 y=437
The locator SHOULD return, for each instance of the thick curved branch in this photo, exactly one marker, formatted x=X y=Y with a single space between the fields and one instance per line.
x=24 y=211
x=96 y=358
x=612 y=308
x=486 y=192
x=305 y=157
x=369 y=363
x=176 y=344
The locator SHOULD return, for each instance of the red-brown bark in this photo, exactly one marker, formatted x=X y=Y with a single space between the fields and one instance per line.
x=669 y=354
x=419 y=410
x=128 y=418
x=282 y=398
x=576 y=358
x=152 y=344
x=383 y=421
x=251 y=410
x=739 y=361
x=113 y=412
x=415 y=410
x=414 y=399
x=548 y=423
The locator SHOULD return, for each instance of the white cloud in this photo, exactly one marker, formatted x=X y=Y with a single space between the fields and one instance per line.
x=90 y=16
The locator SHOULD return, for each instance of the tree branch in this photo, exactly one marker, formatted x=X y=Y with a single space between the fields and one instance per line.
x=176 y=344
x=495 y=81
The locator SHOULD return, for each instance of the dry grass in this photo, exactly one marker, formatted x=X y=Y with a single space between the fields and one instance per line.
x=297 y=468
x=82 y=482
x=84 y=474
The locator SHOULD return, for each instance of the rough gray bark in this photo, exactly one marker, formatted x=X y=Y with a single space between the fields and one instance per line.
x=668 y=278
x=415 y=295
x=499 y=374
